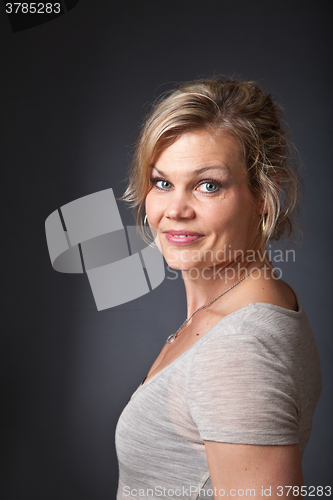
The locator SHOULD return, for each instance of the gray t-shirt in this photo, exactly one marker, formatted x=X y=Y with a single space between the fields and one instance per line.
x=253 y=378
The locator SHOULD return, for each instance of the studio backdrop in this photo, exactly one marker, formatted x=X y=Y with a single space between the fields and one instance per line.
x=76 y=84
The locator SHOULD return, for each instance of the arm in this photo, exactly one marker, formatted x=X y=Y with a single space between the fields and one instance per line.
x=241 y=468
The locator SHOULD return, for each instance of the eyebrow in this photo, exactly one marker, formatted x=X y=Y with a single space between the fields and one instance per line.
x=199 y=170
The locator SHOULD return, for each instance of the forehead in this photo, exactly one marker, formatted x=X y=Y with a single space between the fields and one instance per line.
x=198 y=150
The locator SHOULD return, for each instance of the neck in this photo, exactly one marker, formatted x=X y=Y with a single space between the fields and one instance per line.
x=204 y=284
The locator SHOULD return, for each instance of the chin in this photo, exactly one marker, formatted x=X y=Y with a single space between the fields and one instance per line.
x=194 y=269
x=179 y=265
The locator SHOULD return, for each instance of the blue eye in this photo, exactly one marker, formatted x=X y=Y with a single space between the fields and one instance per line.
x=164 y=184
x=209 y=187
x=161 y=184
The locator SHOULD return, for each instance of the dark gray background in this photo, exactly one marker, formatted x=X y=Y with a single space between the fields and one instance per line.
x=73 y=92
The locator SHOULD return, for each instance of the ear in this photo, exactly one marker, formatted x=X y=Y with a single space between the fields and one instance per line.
x=261 y=209
x=275 y=183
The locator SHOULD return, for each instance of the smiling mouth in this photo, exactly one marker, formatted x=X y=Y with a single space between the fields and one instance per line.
x=182 y=237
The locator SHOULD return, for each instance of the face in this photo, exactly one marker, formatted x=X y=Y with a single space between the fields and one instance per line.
x=200 y=203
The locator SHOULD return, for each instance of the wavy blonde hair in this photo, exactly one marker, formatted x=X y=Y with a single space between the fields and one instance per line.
x=242 y=109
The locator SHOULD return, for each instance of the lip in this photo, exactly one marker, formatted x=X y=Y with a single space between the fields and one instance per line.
x=182 y=237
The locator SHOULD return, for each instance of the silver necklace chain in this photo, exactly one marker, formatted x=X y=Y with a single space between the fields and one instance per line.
x=172 y=337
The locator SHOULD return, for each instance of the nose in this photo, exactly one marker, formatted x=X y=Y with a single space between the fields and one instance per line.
x=179 y=207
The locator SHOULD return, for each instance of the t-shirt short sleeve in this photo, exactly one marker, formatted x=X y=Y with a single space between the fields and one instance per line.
x=240 y=392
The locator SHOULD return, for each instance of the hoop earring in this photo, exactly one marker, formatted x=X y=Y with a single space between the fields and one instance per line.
x=145 y=221
x=263 y=224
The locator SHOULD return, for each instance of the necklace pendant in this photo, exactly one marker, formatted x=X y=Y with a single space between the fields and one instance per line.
x=170 y=339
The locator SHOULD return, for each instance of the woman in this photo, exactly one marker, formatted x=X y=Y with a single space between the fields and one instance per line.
x=226 y=408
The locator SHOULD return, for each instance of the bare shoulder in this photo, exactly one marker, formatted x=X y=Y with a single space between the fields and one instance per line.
x=266 y=287
x=262 y=286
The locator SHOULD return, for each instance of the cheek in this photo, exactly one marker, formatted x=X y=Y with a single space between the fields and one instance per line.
x=244 y=202
x=234 y=214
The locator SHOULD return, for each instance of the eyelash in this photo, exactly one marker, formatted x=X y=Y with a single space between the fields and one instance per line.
x=155 y=180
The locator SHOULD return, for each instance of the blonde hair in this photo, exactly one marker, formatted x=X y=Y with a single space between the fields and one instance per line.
x=242 y=109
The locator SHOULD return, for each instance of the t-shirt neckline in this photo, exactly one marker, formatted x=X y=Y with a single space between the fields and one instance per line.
x=267 y=305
